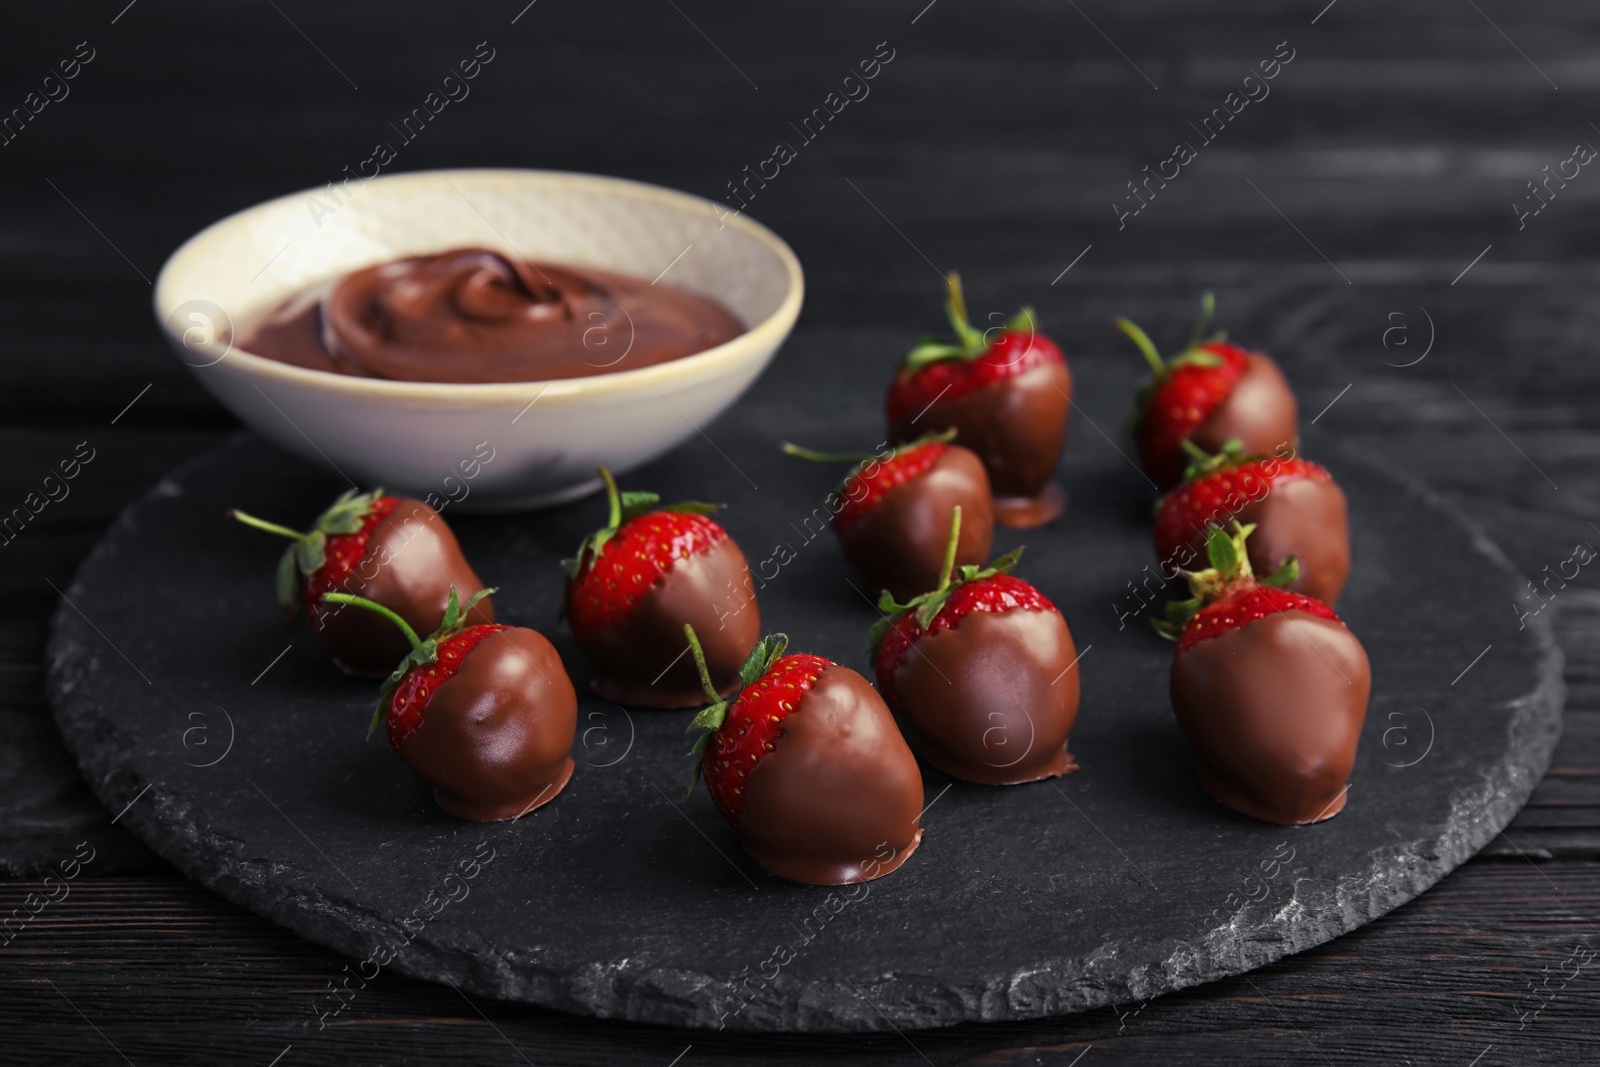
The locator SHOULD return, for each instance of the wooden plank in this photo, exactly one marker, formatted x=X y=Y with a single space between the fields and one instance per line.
x=170 y=974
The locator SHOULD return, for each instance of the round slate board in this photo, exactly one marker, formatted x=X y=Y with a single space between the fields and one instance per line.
x=238 y=753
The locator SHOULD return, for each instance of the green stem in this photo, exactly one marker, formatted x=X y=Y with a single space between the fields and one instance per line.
x=377 y=609
x=613 y=498
x=949 y=567
x=263 y=524
x=700 y=664
x=1208 y=308
x=1146 y=346
x=955 y=306
x=826 y=457
x=1194 y=451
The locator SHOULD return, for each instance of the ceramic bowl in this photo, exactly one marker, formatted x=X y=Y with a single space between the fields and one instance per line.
x=503 y=446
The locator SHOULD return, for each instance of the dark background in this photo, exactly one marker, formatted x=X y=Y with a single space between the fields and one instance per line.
x=996 y=142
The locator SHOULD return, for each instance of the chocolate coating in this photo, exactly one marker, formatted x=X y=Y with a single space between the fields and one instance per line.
x=640 y=659
x=1261 y=412
x=496 y=738
x=1308 y=519
x=474 y=315
x=992 y=698
x=1274 y=712
x=412 y=560
x=839 y=798
x=1017 y=427
x=899 y=545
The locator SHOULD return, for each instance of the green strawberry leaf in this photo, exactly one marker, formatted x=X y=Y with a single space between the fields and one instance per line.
x=970 y=342
x=694 y=507
x=1220 y=550
x=709 y=718
x=452 y=612
x=288 y=581
x=636 y=503
x=1229 y=571
x=1196 y=357
x=929 y=609
x=929 y=351
x=472 y=601
x=312 y=552
x=347 y=513
x=1284 y=576
x=766 y=652
x=877 y=633
x=1181 y=611
x=1201 y=462
x=694 y=774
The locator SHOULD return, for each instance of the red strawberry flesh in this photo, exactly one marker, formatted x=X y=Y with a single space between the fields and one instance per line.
x=1011 y=354
x=1185 y=512
x=1000 y=592
x=1246 y=605
x=753 y=726
x=1184 y=397
x=643 y=550
x=410 y=700
x=866 y=487
x=342 y=554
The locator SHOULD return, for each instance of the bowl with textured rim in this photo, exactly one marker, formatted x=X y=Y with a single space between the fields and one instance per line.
x=498 y=446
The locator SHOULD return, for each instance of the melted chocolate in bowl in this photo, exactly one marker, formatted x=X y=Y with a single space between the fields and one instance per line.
x=472 y=315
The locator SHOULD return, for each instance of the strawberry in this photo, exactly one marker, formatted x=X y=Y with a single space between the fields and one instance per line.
x=634 y=584
x=396 y=551
x=1269 y=686
x=1211 y=392
x=982 y=667
x=1294 y=505
x=808 y=766
x=892 y=510
x=1008 y=396
x=484 y=713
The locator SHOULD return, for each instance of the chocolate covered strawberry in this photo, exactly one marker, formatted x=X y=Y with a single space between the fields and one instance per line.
x=1006 y=391
x=1211 y=392
x=807 y=764
x=483 y=713
x=1294 y=506
x=636 y=582
x=892 y=511
x=1269 y=686
x=396 y=551
x=984 y=668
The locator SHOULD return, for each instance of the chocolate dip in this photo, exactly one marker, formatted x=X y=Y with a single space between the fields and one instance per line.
x=1274 y=712
x=899 y=545
x=496 y=737
x=1260 y=412
x=1306 y=518
x=1017 y=427
x=839 y=798
x=412 y=560
x=639 y=659
x=475 y=315
x=992 y=698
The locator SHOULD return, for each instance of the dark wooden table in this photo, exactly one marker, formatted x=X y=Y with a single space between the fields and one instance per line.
x=1362 y=213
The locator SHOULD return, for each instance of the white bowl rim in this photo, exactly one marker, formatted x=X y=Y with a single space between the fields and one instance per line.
x=767 y=334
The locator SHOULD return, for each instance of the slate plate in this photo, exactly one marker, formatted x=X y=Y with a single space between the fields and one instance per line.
x=1120 y=882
